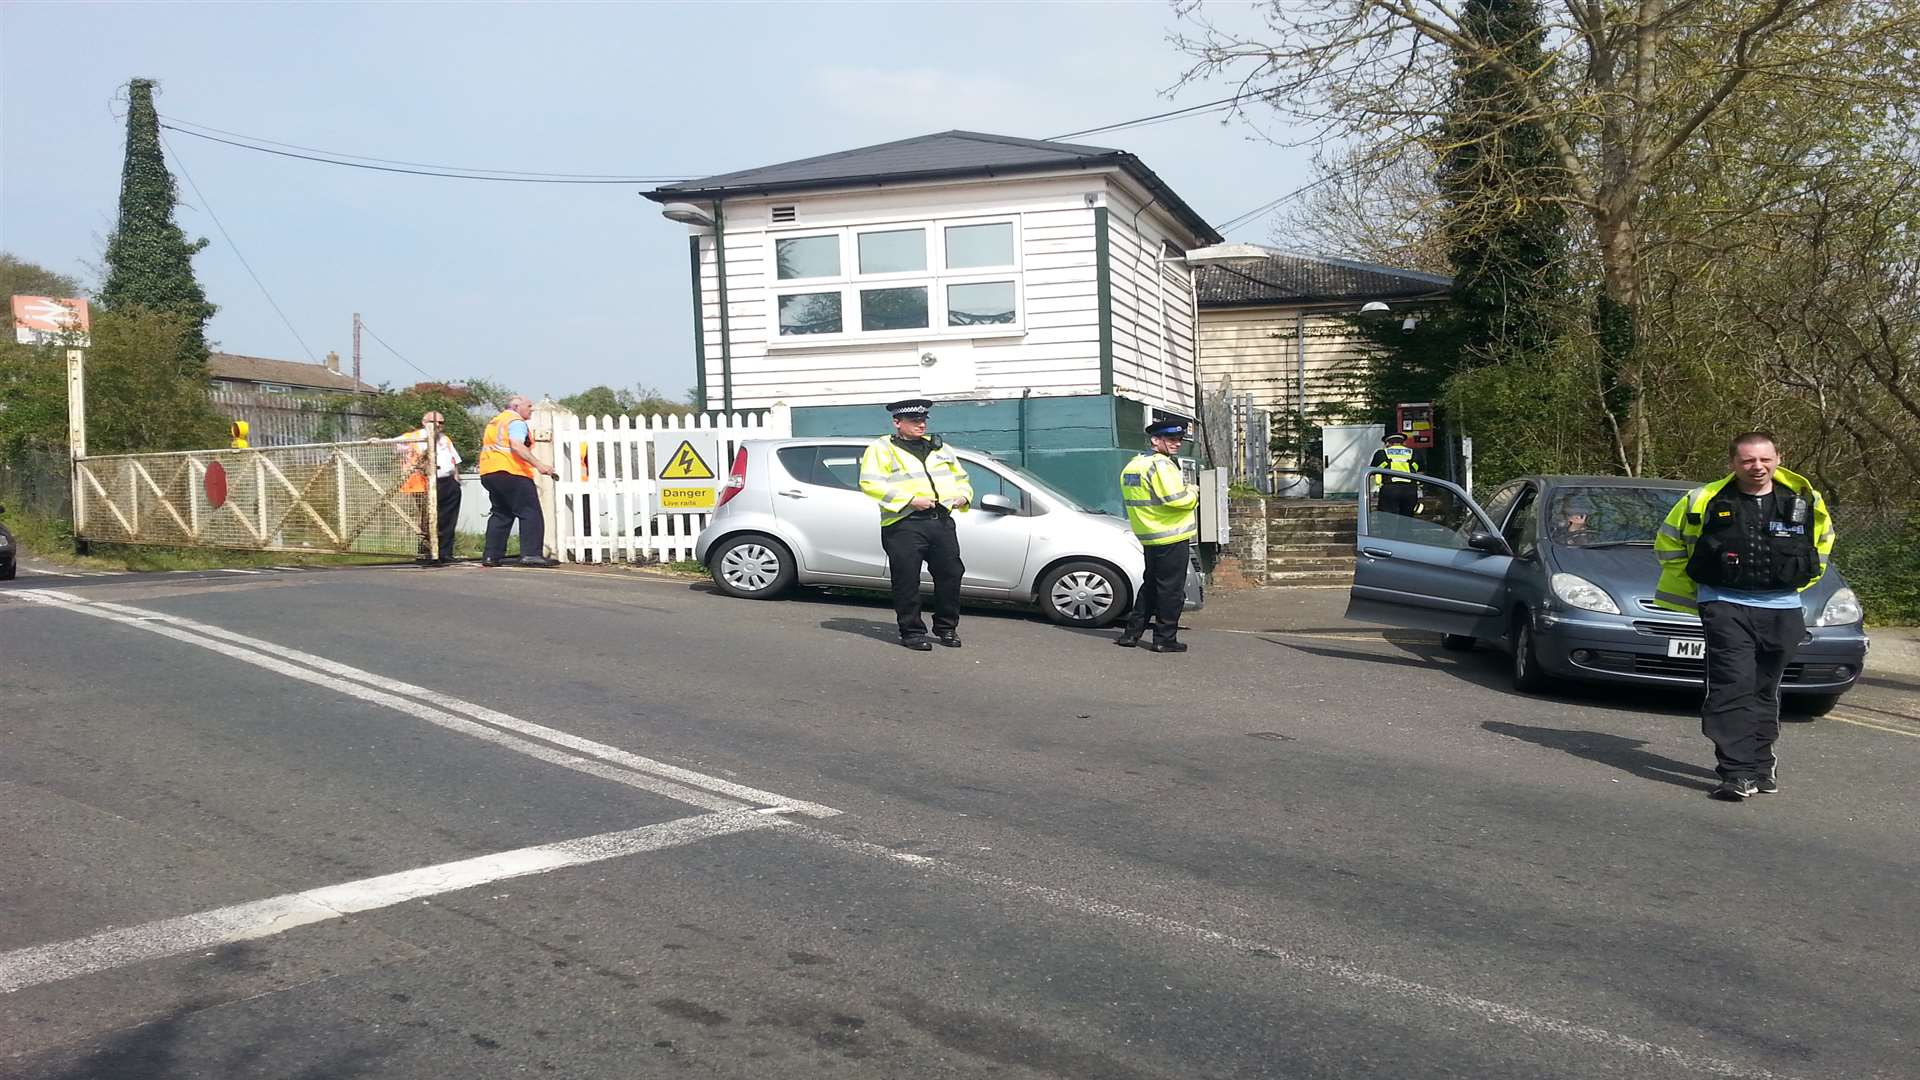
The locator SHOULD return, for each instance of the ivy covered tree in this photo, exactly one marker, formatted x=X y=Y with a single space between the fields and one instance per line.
x=149 y=259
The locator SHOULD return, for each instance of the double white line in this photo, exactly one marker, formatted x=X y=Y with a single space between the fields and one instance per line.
x=445 y=711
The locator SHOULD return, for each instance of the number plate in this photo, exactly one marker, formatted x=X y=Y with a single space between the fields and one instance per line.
x=1687 y=648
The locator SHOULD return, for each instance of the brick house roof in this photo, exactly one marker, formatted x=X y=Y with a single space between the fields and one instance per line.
x=260 y=369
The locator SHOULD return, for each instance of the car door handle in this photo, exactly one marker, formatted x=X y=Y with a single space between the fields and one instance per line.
x=1378 y=553
x=796 y=493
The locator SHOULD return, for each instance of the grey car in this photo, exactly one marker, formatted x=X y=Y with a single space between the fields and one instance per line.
x=1559 y=572
x=792 y=512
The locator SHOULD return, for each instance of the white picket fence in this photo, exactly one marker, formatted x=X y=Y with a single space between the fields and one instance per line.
x=603 y=506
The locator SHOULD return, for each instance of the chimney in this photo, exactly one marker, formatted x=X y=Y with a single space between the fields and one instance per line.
x=333 y=361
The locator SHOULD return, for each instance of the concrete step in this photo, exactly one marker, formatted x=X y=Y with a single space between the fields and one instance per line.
x=1324 y=566
x=1307 y=577
x=1287 y=535
x=1332 y=549
x=1316 y=521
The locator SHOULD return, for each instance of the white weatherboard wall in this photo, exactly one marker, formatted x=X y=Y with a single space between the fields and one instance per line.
x=1153 y=358
x=1258 y=348
x=1052 y=350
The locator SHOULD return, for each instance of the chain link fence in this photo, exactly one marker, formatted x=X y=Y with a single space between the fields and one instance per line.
x=37 y=482
x=366 y=498
x=1878 y=549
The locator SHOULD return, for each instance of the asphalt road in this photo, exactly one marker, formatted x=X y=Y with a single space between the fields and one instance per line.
x=465 y=823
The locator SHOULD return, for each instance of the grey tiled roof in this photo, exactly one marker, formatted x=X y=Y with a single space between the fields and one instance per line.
x=261 y=369
x=1284 y=277
x=947 y=154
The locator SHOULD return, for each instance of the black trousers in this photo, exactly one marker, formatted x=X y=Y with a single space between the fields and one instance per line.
x=513 y=498
x=933 y=541
x=449 y=510
x=1163 y=591
x=1748 y=650
x=1398 y=497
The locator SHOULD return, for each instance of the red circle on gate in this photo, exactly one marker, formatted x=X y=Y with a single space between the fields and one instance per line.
x=216 y=485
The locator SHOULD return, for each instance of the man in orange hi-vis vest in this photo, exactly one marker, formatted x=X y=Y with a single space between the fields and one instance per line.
x=445 y=463
x=507 y=469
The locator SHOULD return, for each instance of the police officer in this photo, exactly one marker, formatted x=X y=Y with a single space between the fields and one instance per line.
x=1162 y=510
x=1739 y=551
x=1400 y=494
x=919 y=485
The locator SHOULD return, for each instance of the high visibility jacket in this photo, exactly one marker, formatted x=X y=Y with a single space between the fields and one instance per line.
x=1160 y=505
x=419 y=463
x=1399 y=459
x=894 y=478
x=1678 y=537
x=495 y=455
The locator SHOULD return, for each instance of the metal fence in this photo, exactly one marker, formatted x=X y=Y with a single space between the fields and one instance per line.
x=335 y=497
x=296 y=419
x=37 y=482
x=1878 y=549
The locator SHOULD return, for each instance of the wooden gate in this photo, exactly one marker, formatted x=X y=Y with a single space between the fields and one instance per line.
x=334 y=497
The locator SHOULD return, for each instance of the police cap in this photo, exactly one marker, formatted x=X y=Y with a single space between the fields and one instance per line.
x=910 y=408
x=1169 y=427
x=1394 y=436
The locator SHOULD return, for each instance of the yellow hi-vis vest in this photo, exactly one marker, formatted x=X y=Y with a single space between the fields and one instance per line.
x=1399 y=459
x=1160 y=505
x=895 y=478
x=1673 y=543
x=495 y=454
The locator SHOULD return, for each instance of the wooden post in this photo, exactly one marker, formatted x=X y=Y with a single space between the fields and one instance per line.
x=433 y=491
x=541 y=428
x=77 y=442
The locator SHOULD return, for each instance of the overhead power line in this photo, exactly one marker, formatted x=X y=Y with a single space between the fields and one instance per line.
x=622 y=177
x=496 y=178
x=1206 y=106
x=208 y=207
x=391 y=349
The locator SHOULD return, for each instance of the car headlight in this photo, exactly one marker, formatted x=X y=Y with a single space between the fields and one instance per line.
x=1843 y=609
x=1576 y=591
x=5 y=541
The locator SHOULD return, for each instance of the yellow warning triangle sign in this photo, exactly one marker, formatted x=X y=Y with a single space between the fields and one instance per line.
x=686 y=464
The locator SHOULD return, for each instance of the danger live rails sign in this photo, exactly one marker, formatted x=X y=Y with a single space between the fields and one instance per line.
x=685 y=476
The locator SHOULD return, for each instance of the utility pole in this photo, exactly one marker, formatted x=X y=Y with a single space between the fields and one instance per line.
x=356 y=350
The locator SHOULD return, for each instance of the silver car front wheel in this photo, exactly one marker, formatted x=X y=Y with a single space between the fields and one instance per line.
x=752 y=566
x=1083 y=594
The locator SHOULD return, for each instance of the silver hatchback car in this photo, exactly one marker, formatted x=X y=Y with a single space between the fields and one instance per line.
x=792 y=513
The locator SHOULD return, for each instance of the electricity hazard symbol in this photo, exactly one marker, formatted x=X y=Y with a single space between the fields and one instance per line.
x=686 y=464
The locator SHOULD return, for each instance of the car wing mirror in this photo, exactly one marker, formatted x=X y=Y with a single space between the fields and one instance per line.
x=1488 y=542
x=997 y=504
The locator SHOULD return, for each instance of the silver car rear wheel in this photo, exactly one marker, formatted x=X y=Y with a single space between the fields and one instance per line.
x=1083 y=594
x=755 y=567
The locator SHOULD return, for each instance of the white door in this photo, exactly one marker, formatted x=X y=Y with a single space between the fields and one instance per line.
x=1348 y=448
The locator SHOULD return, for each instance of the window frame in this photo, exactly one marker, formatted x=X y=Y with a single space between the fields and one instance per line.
x=935 y=279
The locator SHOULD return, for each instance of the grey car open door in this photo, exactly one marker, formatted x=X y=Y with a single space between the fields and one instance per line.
x=1428 y=558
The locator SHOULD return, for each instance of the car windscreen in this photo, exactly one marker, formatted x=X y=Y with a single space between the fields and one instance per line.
x=1033 y=482
x=1592 y=516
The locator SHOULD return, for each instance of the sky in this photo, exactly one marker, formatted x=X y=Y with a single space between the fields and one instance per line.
x=545 y=289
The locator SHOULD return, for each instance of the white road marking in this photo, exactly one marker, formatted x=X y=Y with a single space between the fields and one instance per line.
x=602 y=751
x=686 y=785
x=1493 y=1012
x=232 y=570
x=262 y=918
x=25 y=569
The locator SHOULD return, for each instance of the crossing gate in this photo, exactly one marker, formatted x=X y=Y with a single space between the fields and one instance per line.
x=332 y=497
x=604 y=499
